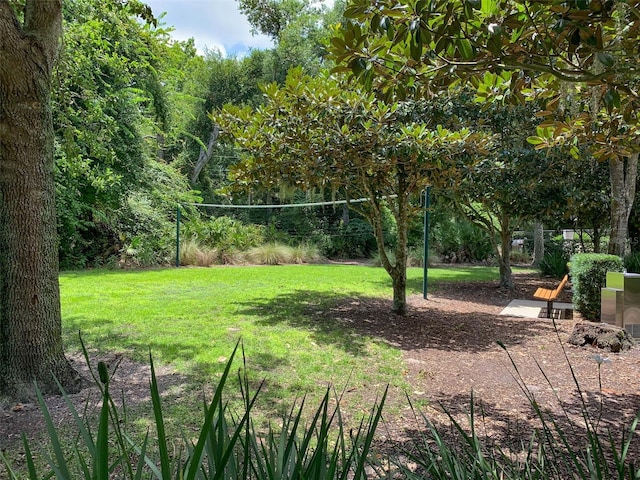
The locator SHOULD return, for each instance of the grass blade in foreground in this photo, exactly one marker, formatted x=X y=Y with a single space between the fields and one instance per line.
x=165 y=462
x=195 y=459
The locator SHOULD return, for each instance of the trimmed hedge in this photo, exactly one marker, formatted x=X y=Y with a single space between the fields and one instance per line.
x=588 y=276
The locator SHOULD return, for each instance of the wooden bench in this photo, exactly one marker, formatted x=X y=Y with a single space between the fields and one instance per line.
x=550 y=295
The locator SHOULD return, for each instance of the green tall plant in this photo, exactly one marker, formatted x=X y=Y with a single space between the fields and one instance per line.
x=228 y=445
x=554 y=450
x=555 y=261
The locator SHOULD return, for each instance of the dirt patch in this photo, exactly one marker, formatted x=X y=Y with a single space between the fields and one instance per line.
x=130 y=380
x=449 y=347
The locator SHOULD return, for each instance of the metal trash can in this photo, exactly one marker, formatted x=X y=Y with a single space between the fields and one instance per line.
x=620 y=301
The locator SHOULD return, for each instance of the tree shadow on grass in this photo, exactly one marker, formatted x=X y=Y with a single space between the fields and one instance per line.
x=347 y=320
x=117 y=339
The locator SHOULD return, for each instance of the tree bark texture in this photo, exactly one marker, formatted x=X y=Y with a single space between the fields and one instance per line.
x=30 y=319
x=538 y=243
x=623 y=176
x=504 y=260
x=397 y=269
x=399 y=275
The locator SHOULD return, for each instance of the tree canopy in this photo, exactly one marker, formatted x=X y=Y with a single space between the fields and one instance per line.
x=582 y=57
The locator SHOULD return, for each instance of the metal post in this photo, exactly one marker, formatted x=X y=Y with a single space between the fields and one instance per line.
x=425 y=257
x=178 y=235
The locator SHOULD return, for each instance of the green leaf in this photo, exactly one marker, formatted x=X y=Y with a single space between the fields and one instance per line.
x=489 y=7
x=163 y=450
x=465 y=48
x=606 y=59
x=611 y=99
x=338 y=43
x=101 y=467
x=416 y=51
x=61 y=469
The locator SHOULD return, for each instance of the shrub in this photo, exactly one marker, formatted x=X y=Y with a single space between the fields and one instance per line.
x=307 y=253
x=279 y=254
x=415 y=256
x=354 y=240
x=555 y=260
x=632 y=262
x=520 y=256
x=458 y=240
x=224 y=233
x=270 y=254
x=588 y=276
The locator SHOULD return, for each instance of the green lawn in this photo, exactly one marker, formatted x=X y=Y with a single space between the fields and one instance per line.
x=191 y=318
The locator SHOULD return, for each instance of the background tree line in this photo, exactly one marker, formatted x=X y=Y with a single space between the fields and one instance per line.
x=132 y=109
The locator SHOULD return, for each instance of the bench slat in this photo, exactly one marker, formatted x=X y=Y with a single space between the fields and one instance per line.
x=550 y=295
x=544 y=293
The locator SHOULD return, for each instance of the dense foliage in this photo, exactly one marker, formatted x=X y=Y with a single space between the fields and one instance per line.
x=580 y=58
x=588 y=277
x=132 y=117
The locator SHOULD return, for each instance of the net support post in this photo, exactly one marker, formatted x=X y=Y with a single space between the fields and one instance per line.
x=425 y=256
x=178 y=235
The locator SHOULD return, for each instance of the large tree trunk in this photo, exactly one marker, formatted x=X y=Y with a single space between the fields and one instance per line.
x=30 y=320
x=538 y=243
x=623 y=177
x=504 y=260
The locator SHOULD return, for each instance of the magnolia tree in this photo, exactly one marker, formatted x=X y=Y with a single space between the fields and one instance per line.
x=316 y=133
x=581 y=57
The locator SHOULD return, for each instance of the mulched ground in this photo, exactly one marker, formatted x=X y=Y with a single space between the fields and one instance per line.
x=449 y=347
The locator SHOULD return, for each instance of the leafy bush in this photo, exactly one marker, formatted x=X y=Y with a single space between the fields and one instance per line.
x=520 y=256
x=354 y=240
x=588 y=276
x=632 y=262
x=457 y=240
x=224 y=233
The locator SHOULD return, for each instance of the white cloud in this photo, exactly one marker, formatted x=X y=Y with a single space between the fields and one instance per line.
x=213 y=24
